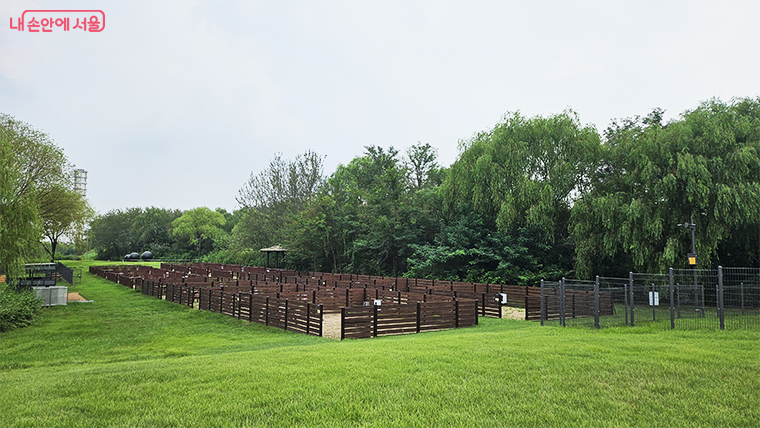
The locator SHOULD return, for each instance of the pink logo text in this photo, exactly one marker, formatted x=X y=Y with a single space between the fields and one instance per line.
x=45 y=21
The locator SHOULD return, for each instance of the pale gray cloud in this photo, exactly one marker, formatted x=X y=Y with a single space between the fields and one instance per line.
x=176 y=102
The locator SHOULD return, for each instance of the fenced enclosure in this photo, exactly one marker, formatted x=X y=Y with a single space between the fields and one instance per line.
x=688 y=298
x=367 y=306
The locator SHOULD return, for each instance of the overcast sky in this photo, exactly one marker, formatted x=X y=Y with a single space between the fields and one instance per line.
x=175 y=103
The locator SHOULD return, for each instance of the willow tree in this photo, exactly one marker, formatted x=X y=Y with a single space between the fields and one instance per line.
x=526 y=172
x=523 y=177
x=32 y=171
x=705 y=165
x=19 y=226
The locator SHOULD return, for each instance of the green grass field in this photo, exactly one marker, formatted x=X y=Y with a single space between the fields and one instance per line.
x=130 y=360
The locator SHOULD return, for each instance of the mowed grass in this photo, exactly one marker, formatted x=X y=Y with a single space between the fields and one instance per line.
x=131 y=360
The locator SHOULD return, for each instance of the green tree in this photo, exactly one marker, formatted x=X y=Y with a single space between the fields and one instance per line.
x=654 y=176
x=19 y=226
x=421 y=163
x=34 y=170
x=63 y=210
x=111 y=235
x=119 y=232
x=269 y=202
x=470 y=249
x=365 y=218
x=523 y=177
x=525 y=172
x=198 y=224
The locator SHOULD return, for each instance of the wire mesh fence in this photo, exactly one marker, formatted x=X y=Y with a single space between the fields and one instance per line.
x=696 y=298
x=684 y=299
x=741 y=297
x=618 y=290
x=650 y=297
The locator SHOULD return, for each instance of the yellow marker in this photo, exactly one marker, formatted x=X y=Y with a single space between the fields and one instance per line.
x=692 y=261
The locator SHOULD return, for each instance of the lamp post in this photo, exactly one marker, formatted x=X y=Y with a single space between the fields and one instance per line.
x=693 y=254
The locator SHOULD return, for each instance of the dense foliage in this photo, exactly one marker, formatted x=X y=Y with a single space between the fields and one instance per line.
x=17 y=307
x=532 y=198
x=654 y=176
x=37 y=200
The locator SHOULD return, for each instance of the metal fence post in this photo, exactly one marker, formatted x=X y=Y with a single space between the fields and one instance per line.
x=702 y=292
x=596 y=302
x=720 y=299
x=625 y=302
x=630 y=282
x=678 y=298
x=562 y=302
x=654 y=308
x=542 y=307
x=672 y=307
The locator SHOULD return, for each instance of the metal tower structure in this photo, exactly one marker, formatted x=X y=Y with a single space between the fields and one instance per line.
x=80 y=182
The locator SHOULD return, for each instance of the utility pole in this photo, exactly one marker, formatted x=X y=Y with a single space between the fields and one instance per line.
x=693 y=254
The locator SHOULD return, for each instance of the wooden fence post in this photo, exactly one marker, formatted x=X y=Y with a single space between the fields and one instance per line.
x=286 y=313
x=419 y=314
x=456 y=313
x=374 y=321
x=266 y=318
x=321 y=319
x=342 y=323
x=308 y=317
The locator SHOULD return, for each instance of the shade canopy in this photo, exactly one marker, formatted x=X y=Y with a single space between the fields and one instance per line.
x=275 y=249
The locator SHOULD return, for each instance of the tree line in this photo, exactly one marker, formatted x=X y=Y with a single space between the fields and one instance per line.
x=531 y=198
x=39 y=205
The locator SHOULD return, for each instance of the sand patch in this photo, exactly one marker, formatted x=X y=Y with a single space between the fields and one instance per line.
x=76 y=297
x=510 y=313
x=331 y=326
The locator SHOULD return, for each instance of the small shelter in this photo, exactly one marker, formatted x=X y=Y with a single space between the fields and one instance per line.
x=276 y=250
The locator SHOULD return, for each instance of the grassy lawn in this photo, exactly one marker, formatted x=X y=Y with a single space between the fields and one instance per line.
x=131 y=360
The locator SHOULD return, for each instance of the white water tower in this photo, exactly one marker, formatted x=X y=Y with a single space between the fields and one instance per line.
x=80 y=182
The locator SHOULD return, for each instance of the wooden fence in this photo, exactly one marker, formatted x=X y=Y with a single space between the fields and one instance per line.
x=384 y=320
x=578 y=303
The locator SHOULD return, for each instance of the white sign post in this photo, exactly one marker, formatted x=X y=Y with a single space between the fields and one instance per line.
x=654 y=298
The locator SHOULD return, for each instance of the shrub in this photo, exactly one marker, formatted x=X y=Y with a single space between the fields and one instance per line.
x=18 y=308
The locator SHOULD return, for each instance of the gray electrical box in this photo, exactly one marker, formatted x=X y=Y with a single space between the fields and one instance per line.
x=53 y=296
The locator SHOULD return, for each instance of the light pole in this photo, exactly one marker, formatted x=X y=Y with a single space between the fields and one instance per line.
x=693 y=254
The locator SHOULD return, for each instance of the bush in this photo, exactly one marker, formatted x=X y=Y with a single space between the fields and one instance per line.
x=18 y=308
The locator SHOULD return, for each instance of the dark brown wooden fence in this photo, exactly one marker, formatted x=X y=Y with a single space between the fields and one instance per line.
x=578 y=303
x=383 y=320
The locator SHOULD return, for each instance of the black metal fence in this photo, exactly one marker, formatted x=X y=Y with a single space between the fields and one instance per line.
x=707 y=298
x=66 y=272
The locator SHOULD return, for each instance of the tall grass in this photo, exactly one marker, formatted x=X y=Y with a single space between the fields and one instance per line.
x=131 y=360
